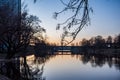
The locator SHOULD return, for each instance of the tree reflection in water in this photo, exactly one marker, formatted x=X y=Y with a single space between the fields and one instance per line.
x=99 y=60
x=34 y=69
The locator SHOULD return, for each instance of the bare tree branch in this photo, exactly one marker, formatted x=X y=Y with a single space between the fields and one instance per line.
x=80 y=18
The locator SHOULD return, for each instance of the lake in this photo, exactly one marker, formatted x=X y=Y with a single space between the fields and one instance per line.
x=76 y=67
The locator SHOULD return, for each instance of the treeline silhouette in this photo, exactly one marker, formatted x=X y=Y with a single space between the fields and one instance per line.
x=100 y=42
x=99 y=46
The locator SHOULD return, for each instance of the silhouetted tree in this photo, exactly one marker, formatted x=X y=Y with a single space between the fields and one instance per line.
x=99 y=42
x=16 y=30
x=15 y=35
x=85 y=42
x=8 y=24
x=92 y=41
x=117 y=41
x=109 y=41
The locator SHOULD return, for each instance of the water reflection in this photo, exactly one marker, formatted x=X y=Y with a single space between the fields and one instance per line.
x=100 y=60
x=32 y=67
x=71 y=67
x=29 y=69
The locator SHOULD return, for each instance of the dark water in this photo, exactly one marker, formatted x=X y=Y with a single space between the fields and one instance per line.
x=77 y=67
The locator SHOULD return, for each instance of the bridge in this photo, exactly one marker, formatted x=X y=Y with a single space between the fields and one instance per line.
x=73 y=49
x=62 y=49
x=51 y=49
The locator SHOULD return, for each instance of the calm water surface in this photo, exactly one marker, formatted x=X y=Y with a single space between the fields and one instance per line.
x=78 y=67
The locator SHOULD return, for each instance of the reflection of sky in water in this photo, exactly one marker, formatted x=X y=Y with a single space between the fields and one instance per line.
x=74 y=67
x=66 y=67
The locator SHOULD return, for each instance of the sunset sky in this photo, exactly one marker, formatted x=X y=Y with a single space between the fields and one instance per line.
x=105 y=19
